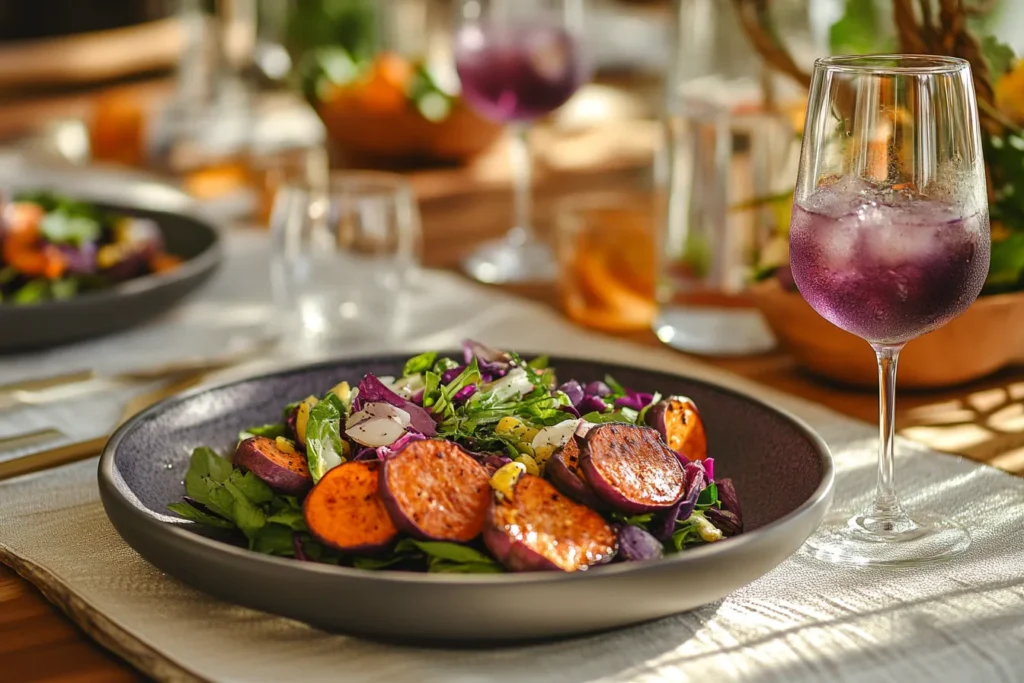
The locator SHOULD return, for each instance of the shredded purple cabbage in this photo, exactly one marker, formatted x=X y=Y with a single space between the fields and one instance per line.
x=464 y=393
x=599 y=389
x=709 y=468
x=591 y=404
x=634 y=399
x=371 y=389
x=493 y=363
x=448 y=375
x=573 y=391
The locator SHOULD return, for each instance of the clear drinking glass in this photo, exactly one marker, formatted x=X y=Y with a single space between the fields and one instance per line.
x=517 y=61
x=890 y=240
x=343 y=256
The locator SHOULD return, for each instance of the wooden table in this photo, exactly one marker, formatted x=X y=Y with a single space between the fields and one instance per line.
x=984 y=421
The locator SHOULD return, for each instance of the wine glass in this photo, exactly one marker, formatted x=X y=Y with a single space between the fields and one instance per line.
x=517 y=61
x=890 y=240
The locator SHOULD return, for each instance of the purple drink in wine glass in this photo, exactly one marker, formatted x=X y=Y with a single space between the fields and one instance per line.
x=517 y=73
x=887 y=266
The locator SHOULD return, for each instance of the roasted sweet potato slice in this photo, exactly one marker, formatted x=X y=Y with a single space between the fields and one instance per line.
x=540 y=529
x=345 y=511
x=631 y=468
x=283 y=468
x=563 y=469
x=436 y=491
x=677 y=420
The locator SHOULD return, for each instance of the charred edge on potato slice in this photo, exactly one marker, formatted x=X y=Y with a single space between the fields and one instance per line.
x=540 y=529
x=631 y=468
x=436 y=491
x=344 y=510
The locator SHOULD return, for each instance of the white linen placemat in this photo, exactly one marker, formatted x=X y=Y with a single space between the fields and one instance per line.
x=802 y=622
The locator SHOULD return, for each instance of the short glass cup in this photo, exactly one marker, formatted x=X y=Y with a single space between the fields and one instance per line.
x=606 y=257
x=343 y=257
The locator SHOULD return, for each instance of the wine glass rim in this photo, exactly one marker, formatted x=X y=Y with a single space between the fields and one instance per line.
x=893 y=64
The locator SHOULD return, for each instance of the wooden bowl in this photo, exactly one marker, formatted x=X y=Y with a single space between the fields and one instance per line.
x=987 y=337
x=403 y=136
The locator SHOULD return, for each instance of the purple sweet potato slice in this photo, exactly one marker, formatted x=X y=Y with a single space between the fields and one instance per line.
x=631 y=468
x=345 y=511
x=677 y=420
x=563 y=469
x=283 y=470
x=436 y=491
x=636 y=545
x=539 y=529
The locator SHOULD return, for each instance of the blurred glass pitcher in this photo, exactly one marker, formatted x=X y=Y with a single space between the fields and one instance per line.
x=727 y=175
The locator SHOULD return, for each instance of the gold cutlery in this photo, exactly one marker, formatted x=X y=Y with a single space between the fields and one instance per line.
x=82 y=450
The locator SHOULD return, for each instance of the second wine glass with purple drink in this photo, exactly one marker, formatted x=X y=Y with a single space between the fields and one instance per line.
x=518 y=60
x=890 y=240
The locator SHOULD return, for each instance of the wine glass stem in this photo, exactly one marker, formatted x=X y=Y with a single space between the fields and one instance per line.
x=522 y=179
x=887 y=512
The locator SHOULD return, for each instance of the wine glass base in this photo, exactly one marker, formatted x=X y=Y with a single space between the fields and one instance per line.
x=506 y=261
x=861 y=541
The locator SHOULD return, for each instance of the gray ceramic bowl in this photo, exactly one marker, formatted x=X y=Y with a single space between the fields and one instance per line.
x=129 y=303
x=782 y=470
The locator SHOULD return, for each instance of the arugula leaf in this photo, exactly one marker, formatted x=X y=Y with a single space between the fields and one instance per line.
x=419 y=364
x=539 y=363
x=641 y=417
x=443 y=365
x=617 y=389
x=634 y=520
x=32 y=292
x=247 y=515
x=686 y=536
x=251 y=486
x=64 y=288
x=450 y=557
x=208 y=463
x=378 y=562
x=198 y=516
x=271 y=431
x=324 y=447
x=999 y=56
x=293 y=519
x=626 y=415
x=60 y=228
x=708 y=496
x=274 y=539
x=431 y=387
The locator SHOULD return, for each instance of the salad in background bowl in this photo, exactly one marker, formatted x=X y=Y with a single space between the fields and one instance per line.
x=53 y=248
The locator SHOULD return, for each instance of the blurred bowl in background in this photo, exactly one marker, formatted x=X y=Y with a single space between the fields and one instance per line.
x=986 y=338
x=404 y=136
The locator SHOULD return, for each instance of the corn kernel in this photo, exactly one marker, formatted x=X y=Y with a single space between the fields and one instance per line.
x=519 y=431
x=524 y=448
x=505 y=478
x=302 y=417
x=346 y=450
x=543 y=452
x=529 y=435
x=530 y=464
x=285 y=446
x=506 y=425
